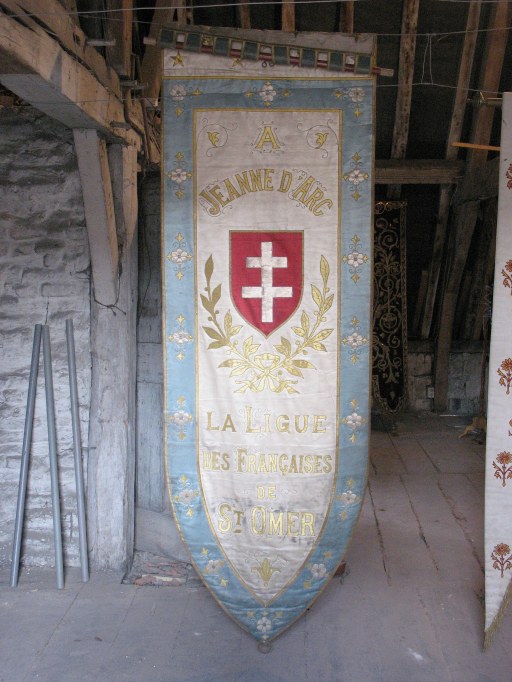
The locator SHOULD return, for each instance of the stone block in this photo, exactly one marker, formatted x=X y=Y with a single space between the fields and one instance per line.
x=456 y=365
x=456 y=387
x=419 y=364
x=422 y=405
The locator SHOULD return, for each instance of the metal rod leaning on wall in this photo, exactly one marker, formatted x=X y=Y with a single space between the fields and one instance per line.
x=25 y=455
x=77 y=451
x=52 y=447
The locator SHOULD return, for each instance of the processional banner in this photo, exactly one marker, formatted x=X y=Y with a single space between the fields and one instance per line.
x=498 y=474
x=267 y=177
x=389 y=347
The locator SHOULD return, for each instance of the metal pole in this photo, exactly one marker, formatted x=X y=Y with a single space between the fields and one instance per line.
x=52 y=447
x=77 y=451
x=25 y=455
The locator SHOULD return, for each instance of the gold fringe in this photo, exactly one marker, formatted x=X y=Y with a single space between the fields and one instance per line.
x=493 y=627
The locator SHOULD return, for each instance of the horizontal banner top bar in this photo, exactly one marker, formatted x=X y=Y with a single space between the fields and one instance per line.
x=338 y=52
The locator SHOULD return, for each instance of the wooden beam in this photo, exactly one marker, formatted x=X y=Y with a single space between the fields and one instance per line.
x=484 y=307
x=70 y=6
x=466 y=66
x=111 y=468
x=78 y=67
x=119 y=27
x=494 y=55
x=288 y=16
x=244 y=14
x=420 y=301
x=53 y=20
x=459 y=107
x=100 y=219
x=470 y=323
x=418 y=172
x=479 y=184
x=151 y=71
x=410 y=13
x=347 y=17
x=465 y=216
x=36 y=68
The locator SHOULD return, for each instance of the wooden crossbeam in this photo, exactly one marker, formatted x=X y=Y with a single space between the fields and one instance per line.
x=40 y=69
x=39 y=15
x=418 y=172
x=36 y=68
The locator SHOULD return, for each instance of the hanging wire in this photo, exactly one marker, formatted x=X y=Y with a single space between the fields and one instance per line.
x=247 y=3
x=427 y=55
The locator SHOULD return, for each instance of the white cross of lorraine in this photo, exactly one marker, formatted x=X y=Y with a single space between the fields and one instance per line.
x=267 y=291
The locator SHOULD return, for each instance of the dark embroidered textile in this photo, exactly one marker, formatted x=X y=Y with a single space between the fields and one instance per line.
x=389 y=348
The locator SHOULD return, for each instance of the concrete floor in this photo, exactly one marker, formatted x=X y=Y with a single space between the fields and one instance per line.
x=410 y=609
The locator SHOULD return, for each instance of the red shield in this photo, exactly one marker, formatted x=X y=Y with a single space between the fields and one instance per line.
x=266 y=276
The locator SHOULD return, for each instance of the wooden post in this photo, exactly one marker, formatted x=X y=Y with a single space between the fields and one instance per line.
x=347 y=17
x=464 y=221
x=111 y=467
x=244 y=14
x=491 y=218
x=120 y=29
x=288 y=16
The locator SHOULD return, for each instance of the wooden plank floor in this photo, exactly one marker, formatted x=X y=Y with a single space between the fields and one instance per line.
x=423 y=518
x=410 y=608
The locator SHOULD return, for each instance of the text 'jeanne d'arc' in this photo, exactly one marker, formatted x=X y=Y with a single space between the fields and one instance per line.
x=305 y=189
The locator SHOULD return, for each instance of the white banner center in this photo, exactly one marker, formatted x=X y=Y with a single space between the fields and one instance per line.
x=266 y=193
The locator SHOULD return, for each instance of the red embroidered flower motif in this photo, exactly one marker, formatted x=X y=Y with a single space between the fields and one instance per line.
x=507 y=274
x=505 y=373
x=500 y=563
x=508 y=175
x=502 y=465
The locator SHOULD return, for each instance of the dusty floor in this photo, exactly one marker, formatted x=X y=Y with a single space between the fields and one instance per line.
x=409 y=610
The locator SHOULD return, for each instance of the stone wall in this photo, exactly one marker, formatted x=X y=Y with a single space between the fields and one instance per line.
x=463 y=380
x=44 y=277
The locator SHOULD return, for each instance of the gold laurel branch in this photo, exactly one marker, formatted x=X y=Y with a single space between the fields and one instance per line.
x=266 y=369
